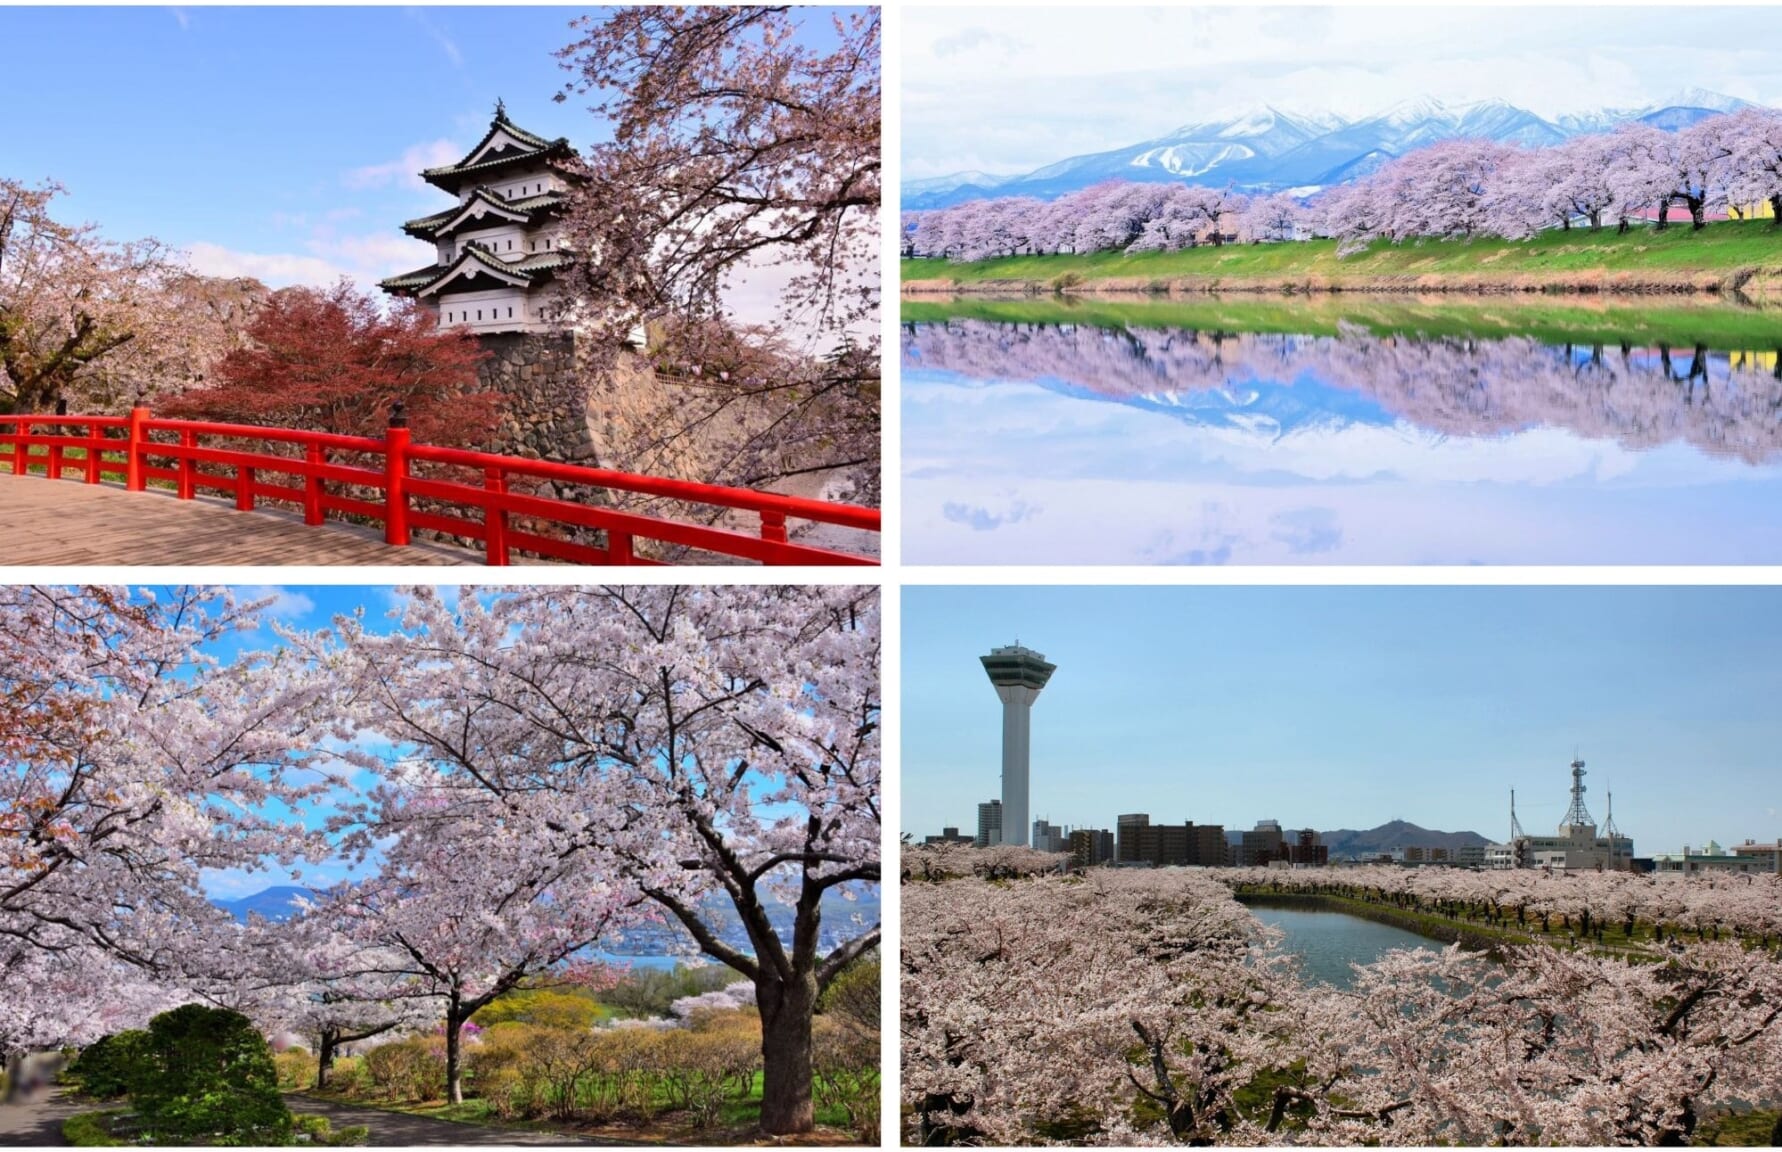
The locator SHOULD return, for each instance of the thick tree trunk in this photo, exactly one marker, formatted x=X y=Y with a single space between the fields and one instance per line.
x=786 y=1010
x=1776 y=211
x=1697 y=210
x=454 y=1057
x=330 y=1040
x=1664 y=216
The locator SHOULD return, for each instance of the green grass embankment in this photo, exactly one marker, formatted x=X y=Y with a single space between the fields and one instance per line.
x=1743 y=257
x=1608 y=321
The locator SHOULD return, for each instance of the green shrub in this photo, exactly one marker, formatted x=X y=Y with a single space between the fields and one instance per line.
x=313 y=1129
x=296 y=1069
x=90 y=1130
x=412 y=1069
x=496 y=1070
x=544 y=1007
x=649 y=991
x=107 y=1067
x=209 y=1079
x=347 y=1076
x=845 y=1076
x=853 y=996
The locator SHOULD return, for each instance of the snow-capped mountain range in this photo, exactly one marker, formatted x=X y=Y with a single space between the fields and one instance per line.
x=1271 y=148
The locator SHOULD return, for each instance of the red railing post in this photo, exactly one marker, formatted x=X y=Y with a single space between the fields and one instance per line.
x=244 y=489
x=495 y=517
x=773 y=527
x=314 y=458
x=188 y=467
x=53 y=470
x=136 y=458
x=396 y=477
x=95 y=451
x=618 y=547
x=21 y=448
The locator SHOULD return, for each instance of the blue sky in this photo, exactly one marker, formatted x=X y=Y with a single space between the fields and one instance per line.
x=1005 y=91
x=281 y=143
x=1349 y=707
x=1020 y=471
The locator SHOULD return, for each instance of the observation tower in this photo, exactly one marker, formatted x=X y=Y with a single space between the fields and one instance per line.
x=1018 y=674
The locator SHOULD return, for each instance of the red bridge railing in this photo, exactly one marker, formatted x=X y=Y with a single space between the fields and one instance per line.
x=476 y=495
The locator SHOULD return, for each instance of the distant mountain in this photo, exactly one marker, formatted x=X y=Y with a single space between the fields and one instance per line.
x=1270 y=148
x=1347 y=842
x=272 y=903
x=839 y=913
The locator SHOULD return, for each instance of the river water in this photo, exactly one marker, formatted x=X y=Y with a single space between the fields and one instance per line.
x=1328 y=942
x=1340 y=432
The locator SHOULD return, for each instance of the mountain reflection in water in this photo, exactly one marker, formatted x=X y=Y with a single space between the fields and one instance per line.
x=1077 y=443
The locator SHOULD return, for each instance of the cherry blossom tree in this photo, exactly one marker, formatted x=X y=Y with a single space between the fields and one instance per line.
x=1274 y=218
x=133 y=760
x=1149 y=1007
x=83 y=315
x=692 y=744
x=1754 y=138
x=463 y=914
x=737 y=150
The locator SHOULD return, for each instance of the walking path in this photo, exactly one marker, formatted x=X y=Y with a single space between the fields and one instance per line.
x=65 y=522
x=35 y=1123
x=399 y=1129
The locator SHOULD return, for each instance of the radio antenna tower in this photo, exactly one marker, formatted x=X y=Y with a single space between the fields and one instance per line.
x=1612 y=832
x=1515 y=824
x=1577 y=815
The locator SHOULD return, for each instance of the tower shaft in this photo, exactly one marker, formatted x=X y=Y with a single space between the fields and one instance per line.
x=1017 y=727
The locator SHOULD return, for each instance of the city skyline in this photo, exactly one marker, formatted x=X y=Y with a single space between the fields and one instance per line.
x=1350 y=707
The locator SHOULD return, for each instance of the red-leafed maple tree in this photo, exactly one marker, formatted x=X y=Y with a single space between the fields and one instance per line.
x=337 y=360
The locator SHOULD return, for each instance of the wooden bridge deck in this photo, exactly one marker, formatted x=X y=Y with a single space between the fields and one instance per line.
x=67 y=522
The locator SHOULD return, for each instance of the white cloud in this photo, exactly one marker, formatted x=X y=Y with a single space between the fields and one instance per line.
x=405 y=170
x=276 y=269
x=327 y=257
x=446 y=44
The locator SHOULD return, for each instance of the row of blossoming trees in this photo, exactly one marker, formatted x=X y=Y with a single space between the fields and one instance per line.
x=1460 y=386
x=1739 y=906
x=525 y=773
x=1455 y=188
x=1149 y=1007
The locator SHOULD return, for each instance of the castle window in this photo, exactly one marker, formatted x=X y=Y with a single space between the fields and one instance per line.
x=479 y=313
x=510 y=313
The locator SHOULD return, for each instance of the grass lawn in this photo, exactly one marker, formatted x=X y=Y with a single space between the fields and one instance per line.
x=1589 y=320
x=1739 y=1130
x=738 y=1124
x=1674 y=254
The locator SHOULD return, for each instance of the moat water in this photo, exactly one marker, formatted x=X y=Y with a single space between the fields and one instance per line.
x=1327 y=943
x=1340 y=431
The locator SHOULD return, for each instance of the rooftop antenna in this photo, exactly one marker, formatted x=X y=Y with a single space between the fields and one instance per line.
x=1577 y=815
x=1515 y=824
